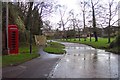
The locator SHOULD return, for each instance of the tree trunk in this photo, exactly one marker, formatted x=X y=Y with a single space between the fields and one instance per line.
x=109 y=24
x=95 y=35
x=27 y=22
x=66 y=35
x=79 y=34
x=84 y=26
x=90 y=33
x=74 y=31
x=94 y=24
x=90 y=36
x=109 y=34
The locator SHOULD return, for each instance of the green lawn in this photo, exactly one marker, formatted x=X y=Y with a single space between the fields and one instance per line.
x=23 y=56
x=102 y=42
x=25 y=48
x=55 y=48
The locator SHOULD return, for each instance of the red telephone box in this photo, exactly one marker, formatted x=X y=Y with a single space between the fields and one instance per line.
x=13 y=39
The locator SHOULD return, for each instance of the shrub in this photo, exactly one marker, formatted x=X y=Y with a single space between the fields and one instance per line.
x=116 y=42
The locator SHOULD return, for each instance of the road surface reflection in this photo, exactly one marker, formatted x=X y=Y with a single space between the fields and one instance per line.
x=83 y=61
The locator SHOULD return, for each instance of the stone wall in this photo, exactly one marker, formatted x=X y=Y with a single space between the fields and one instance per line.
x=40 y=40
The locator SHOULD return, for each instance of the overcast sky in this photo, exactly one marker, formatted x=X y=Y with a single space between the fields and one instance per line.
x=68 y=5
x=72 y=4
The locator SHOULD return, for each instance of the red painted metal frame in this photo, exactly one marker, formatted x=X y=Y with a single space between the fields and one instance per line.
x=13 y=39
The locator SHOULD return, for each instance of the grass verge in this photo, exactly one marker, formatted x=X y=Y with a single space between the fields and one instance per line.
x=23 y=56
x=101 y=44
x=114 y=50
x=54 y=48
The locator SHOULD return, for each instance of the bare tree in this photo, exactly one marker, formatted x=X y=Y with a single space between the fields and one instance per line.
x=90 y=30
x=94 y=20
x=62 y=21
x=78 y=25
x=47 y=25
x=111 y=15
x=40 y=10
x=107 y=14
x=74 y=25
x=83 y=5
x=74 y=22
x=45 y=8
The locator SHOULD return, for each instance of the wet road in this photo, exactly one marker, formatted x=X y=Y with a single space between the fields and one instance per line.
x=36 y=68
x=83 y=61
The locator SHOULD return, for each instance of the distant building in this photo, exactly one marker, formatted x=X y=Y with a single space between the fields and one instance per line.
x=48 y=33
x=113 y=30
x=101 y=32
x=89 y=30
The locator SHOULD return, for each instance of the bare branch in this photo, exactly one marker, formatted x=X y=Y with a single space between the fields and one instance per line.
x=96 y=3
x=115 y=22
x=115 y=12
